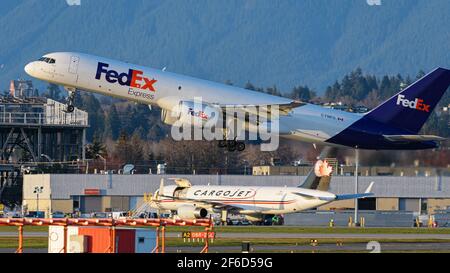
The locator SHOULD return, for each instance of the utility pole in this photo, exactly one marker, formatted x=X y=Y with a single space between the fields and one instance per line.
x=356 y=184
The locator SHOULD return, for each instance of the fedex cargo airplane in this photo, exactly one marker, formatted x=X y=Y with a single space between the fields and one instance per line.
x=393 y=125
x=254 y=202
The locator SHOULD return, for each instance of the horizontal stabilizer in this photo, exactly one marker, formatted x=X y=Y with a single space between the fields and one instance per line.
x=413 y=138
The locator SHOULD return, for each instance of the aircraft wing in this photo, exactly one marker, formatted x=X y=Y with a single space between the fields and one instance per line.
x=353 y=196
x=214 y=204
x=283 y=109
x=413 y=138
x=368 y=192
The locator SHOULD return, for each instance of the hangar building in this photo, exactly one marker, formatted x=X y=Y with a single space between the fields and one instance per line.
x=111 y=192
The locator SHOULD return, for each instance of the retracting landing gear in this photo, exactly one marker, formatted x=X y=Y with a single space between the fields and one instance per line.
x=232 y=145
x=70 y=99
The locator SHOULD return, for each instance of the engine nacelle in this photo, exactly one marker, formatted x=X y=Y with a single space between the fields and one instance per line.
x=191 y=212
x=199 y=114
x=254 y=217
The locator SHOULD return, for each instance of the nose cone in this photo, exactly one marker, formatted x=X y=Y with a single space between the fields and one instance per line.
x=29 y=69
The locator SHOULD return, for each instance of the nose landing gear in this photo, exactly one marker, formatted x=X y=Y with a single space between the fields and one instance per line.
x=70 y=99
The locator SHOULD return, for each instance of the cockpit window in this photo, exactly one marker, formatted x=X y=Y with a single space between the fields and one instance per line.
x=47 y=60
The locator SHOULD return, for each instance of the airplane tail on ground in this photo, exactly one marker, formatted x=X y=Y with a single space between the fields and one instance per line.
x=319 y=182
x=410 y=108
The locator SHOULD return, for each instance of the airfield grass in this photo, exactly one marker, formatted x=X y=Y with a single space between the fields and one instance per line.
x=25 y=229
x=30 y=242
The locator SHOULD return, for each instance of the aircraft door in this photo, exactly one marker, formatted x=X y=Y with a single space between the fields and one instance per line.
x=253 y=205
x=73 y=66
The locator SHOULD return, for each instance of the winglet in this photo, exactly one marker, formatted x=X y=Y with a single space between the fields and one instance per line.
x=369 y=188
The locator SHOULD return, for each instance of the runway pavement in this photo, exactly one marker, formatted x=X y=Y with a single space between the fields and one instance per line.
x=353 y=247
x=324 y=235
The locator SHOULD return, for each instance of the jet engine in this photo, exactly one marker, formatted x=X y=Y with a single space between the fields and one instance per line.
x=199 y=114
x=254 y=217
x=191 y=212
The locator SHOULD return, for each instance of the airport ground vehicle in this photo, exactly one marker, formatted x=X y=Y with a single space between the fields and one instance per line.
x=58 y=214
x=34 y=214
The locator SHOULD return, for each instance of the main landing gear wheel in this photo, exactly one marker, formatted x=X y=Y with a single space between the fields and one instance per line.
x=222 y=143
x=232 y=145
x=240 y=146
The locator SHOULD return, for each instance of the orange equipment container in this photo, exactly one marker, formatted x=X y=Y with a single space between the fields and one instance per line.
x=99 y=239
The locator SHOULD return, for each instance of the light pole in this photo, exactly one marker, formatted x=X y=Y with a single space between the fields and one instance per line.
x=104 y=161
x=245 y=166
x=37 y=191
x=356 y=184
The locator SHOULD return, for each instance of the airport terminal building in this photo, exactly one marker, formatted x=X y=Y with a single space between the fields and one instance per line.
x=112 y=192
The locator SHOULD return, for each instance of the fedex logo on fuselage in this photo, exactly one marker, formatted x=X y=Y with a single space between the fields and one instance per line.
x=134 y=78
x=413 y=104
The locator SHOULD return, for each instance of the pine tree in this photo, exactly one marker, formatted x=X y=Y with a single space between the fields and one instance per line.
x=53 y=92
x=113 y=123
x=96 y=148
x=89 y=103
x=122 y=149
x=137 y=153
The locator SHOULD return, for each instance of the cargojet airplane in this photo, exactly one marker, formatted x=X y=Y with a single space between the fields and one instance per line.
x=255 y=202
x=393 y=125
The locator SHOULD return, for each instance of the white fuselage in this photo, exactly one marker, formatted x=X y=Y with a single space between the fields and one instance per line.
x=164 y=89
x=249 y=200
